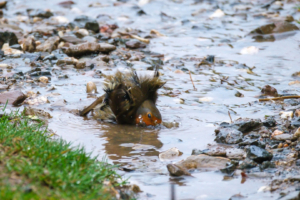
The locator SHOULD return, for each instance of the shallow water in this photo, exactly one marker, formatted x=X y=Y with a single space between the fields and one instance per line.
x=137 y=148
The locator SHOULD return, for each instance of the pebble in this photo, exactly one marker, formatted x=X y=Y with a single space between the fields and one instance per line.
x=286 y=115
x=203 y=162
x=80 y=65
x=169 y=154
x=135 y=44
x=88 y=47
x=29 y=44
x=43 y=79
x=249 y=50
x=91 y=87
x=49 y=45
x=258 y=154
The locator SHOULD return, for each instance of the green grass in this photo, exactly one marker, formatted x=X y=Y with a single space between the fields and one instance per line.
x=33 y=165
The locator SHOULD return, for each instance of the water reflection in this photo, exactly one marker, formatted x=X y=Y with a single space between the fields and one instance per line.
x=124 y=141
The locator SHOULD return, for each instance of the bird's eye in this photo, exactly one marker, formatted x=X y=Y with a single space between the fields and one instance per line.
x=149 y=115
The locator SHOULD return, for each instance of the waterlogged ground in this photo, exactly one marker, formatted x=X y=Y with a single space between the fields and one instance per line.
x=192 y=30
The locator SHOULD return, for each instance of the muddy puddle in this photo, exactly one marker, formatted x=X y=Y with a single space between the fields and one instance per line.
x=240 y=65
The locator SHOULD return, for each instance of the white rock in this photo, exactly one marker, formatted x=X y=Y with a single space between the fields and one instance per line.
x=3 y=65
x=235 y=153
x=179 y=100
x=37 y=101
x=83 y=32
x=217 y=13
x=297 y=133
x=264 y=189
x=91 y=87
x=60 y=19
x=169 y=154
x=8 y=51
x=43 y=79
x=249 y=50
x=286 y=115
x=206 y=99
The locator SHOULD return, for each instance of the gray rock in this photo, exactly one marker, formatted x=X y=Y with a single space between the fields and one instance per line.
x=245 y=124
x=229 y=136
x=235 y=153
x=88 y=47
x=258 y=154
x=203 y=162
x=175 y=170
x=40 y=13
x=283 y=137
x=49 y=45
x=87 y=23
x=247 y=164
x=278 y=27
x=8 y=37
x=269 y=122
x=135 y=44
x=71 y=39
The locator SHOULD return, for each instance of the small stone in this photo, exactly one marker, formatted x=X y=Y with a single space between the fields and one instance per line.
x=258 y=154
x=218 y=13
x=3 y=4
x=71 y=39
x=277 y=132
x=87 y=23
x=49 y=45
x=67 y=61
x=29 y=44
x=175 y=170
x=8 y=37
x=135 y=44
x=80 y=65
x=81 y=33
x=43 y=79
x=285 y=145
x=203 y=162
x=283 y=137
x=249 y=50
x=297 y=113
x=91 y=87
x=280 y=146
x=235 y=153
x=169 y=154
x=41 y=13
x=296 y=134
x=88 y=47
x=269 y=122
x=14 y=97
x=238 y=94
x=229 y=136
x=286 y=115
x=269 y=90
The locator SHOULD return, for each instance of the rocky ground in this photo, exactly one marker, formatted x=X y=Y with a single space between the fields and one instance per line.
x=219 y=59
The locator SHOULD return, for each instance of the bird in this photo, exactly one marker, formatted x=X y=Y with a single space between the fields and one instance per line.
x=129 y=99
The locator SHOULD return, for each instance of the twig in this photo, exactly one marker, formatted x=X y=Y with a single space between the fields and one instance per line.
x=135 y=37
x=192 y=81
x=86 y=110
x=279 y=98
x=230 y=116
